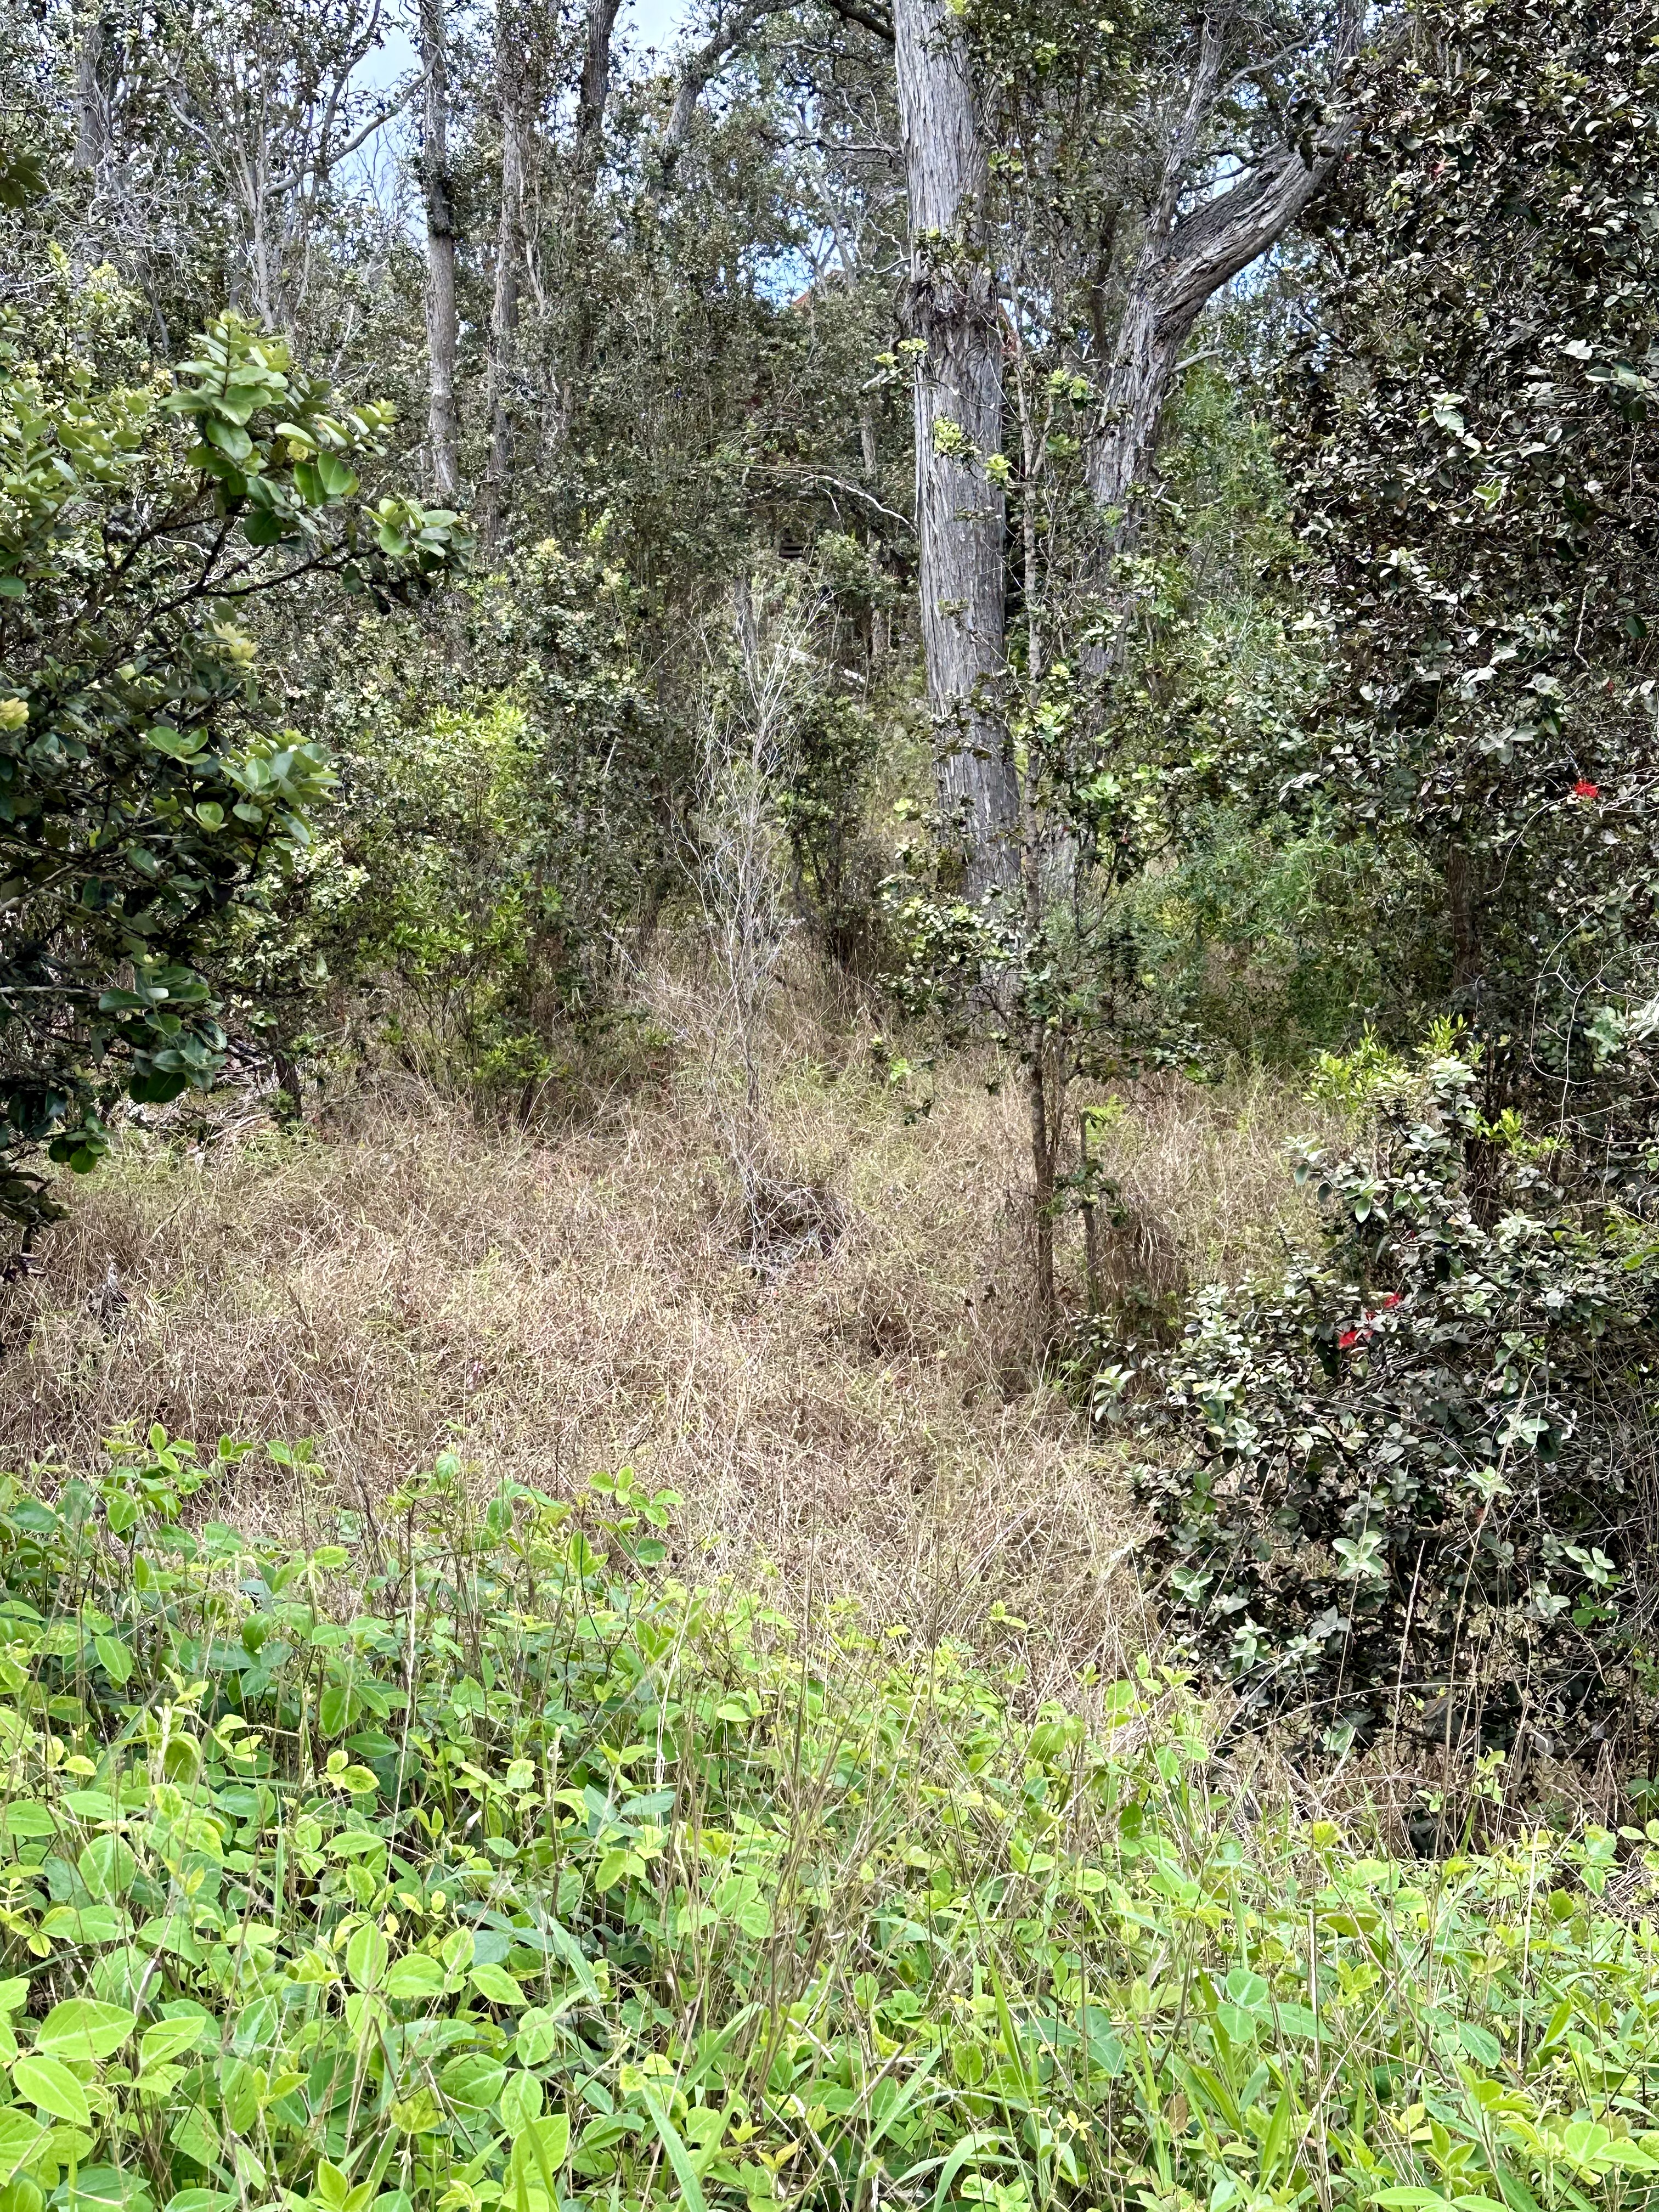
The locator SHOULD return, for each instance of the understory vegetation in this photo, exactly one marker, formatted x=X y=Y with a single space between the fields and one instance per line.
x=469 y=1858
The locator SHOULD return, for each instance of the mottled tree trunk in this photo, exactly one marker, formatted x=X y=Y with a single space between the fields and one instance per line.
x=91 y=120
x=1186 y=259
x=441 y=323
x=951 y=307
x=595 y=89
x=511 y=77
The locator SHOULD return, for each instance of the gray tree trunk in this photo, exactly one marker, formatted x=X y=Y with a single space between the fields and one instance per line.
x=511 y=77
x=443 y=418
x=1184 y=263
x=595 y=88
x=91 y=119
x=734 y=26
x=951 y=306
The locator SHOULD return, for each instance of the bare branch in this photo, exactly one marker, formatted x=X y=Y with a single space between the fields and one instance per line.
x=851 y=12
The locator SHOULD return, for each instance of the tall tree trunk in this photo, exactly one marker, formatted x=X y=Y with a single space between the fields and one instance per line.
x=91 y=119
x=511 y=78
x=584 y=244
x=951 y=306
x=1186 y=260
x=595 y=89
x=443 y=419
x=1463 y=915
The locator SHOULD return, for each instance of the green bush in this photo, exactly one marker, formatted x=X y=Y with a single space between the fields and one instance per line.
x=147 y=779
x=473 y=1860
x=510 y=800
x=1413 y=1469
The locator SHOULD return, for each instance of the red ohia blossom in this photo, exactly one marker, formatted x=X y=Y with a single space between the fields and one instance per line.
x=1583 y=790
x=1348 y=1339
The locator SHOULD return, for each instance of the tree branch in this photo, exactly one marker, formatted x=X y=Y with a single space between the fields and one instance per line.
x=701 y=67
x=851 y=12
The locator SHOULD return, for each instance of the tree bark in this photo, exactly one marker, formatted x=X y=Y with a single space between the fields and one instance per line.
x=951 y=307
x=91 y=119
x=442 y=325
x=510 y=79
x=1184 y=263
x=732 y=29
x=595 y=88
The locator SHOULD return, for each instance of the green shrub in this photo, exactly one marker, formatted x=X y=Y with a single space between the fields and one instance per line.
x=511 y=800
x=1415 y=1466
x=147 y=779
x=533 y=1877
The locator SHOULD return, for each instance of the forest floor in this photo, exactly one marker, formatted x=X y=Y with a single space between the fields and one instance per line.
x=401 y=1278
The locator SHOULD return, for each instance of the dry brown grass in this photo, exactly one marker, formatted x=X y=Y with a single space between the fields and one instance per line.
x=866 y=1420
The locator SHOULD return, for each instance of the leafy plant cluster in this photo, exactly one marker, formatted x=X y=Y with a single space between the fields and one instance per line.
x=474 y=1861
x=146 y=778
x=509 y=794
x=1470 y=445
x=1414 y=1473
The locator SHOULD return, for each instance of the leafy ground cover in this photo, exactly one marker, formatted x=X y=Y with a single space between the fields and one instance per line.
x=476 y=1860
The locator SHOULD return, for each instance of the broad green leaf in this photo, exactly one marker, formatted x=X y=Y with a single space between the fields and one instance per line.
x=167 y=2038
x=366 y=1957
x=82 y=2027
x=339 y=480
x=48 y=2083
x=538 y=2031
x=473 y=2080
x=521 y=2101
x=538 y=2153
x=414 y=1976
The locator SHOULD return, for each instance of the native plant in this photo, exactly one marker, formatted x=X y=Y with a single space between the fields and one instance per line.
x=1415 y=1471
x=146 y=781
x=1470 y=441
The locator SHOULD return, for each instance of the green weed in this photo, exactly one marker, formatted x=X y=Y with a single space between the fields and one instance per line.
x=474 y=1861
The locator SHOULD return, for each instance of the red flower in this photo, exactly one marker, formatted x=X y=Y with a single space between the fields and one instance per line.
x=1392 y=1298
x=1348 y=1339
x=1583 y=790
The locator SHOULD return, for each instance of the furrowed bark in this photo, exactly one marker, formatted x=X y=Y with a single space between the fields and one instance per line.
x=595 y=88
x=91 y=120
x=510 y=87
x=443 y=420
x=1185 y=262
x=951 y=306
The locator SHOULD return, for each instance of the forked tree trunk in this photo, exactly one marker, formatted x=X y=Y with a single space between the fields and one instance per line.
x=1185 y=261
x=951 y=307
x=443 y=420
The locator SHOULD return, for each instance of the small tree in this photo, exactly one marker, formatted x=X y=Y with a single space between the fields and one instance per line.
x=146 y=780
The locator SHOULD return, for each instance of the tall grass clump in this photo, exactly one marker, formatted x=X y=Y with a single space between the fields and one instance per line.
x=473 y=1860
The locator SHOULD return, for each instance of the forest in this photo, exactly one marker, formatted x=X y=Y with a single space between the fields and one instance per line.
x=829 y=1106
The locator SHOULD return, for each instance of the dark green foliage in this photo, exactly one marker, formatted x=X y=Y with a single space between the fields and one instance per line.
x=510 y=818
x=145 y=779
x=1421 y=1464
x=1474 y=460
x=833 y=757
